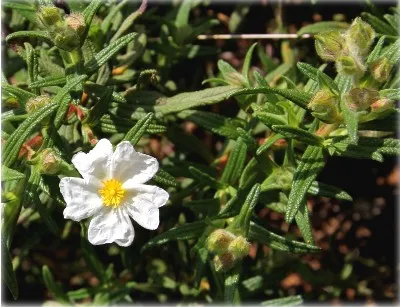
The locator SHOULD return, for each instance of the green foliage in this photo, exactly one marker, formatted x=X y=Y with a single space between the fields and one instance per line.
x=250 y=139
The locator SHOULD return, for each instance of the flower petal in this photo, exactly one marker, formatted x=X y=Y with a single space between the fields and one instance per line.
x=81 y=197
x=144 y=204
x=111 y=225
x=129 y=165
x=96 y=162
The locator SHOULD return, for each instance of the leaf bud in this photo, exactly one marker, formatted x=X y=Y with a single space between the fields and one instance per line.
x=224 y=262
x=329 y=45
x=360 y=36
x=219 y=240
x=235 y=78
x=359 y=99
x=36 y=103
x=381 y=69
x=382 y=105
x=324 y=106
x=240 y=247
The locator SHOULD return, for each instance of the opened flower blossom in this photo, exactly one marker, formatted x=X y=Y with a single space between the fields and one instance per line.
x=111 y=191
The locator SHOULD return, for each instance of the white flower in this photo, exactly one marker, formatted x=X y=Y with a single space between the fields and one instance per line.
x=112 y=189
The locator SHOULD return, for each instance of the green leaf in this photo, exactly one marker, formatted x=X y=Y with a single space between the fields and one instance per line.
x=375 y=53
x=392 y=52
x=242 y=221
x=182 y=18
x=190 y=100
x=182 y=232
x=322 y=189
x=268 y=118
x=231 y=283
x=55 y=289
x=284 y=301
x=7 y=271
x=235 y=164
x=137 y=131
x=90 y=11
x=390 y=93
x=11 y=212
x=90 y=256
x=107 y=53
x=26 y=9
x=303 y=222
x=344 y=83
x=102 y=98
x=317 y=75
x=323 y=26
x=205 y=178
x=312 y=162
x=41 y=35
x=379 y=25
x=62 y=99
x=49 y=81
x=216 y=123
x=247 y=62
x=8 y=174
x=263 y=236
x=164 y=178
x=296 y=96
x=21 y=95
x=268 y=143
x=18 y=137
x=298 y=134
x=351 y=120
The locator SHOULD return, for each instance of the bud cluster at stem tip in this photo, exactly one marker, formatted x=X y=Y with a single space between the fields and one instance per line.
x=229 y=248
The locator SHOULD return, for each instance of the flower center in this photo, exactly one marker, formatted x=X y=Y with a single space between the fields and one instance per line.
x=112 y=192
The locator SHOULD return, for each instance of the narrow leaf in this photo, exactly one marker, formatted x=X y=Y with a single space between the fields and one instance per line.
x=235 y=164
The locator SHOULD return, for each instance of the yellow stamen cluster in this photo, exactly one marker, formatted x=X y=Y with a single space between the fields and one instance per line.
x=112 y=193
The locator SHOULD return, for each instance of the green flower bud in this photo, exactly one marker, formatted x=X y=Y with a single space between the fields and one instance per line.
x=359 y=99
x=50 y=162
x=224 y=262
x=350 y=65
x=76 y=22
x=360 y=36
x=381 y=69
x=239 y=247
x=324 y=106
x=36 y=103
x=329 y=45
x=49 y=16
x=382 y=105
x=219 y=240
x=66 y=38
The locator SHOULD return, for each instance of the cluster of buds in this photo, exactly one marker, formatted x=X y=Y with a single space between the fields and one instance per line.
x=229 y=249
x=347 y=49
x=67 y=33
x=380 y=69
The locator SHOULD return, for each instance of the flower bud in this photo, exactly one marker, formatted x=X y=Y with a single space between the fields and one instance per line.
x=76 y=22
x=360 y=36
x=66 y=38
x=49 y=16
x=349 y=65
x=381 y=69
x=219 y=240
x=50 y=162
x=224 y=262
x=359 y=99
x=324 y=106
x=239 y=247
x=382 y=105
x=36 y=103
x=329 y=45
